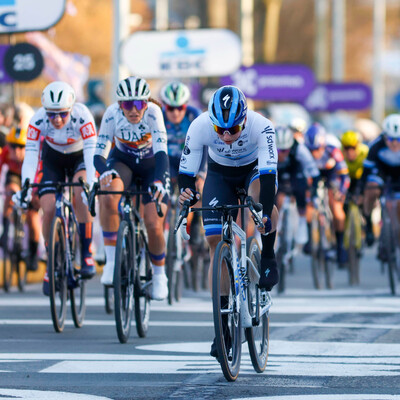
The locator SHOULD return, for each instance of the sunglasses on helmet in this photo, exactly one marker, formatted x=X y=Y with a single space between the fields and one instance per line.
x=53 y=114
x=129 y=104
x=231 y=131
x=179 y=108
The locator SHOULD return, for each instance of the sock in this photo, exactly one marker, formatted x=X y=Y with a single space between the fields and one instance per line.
x=86 y=230
x=368 y=221
x=339 y=239
x=110 y=254
x=158 y=269
x=268 y=242
x=33 y=246
x=6 y=224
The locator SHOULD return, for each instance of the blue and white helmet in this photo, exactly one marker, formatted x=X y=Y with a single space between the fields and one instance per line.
x=315 y=137
x=227 y=107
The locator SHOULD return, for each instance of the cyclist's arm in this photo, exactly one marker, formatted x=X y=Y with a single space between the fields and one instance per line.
x=88 y=133
x=32 y=147
x=160 y=145
x=267 y=165
x=341 y=170
x=104 y=141
x=309 y=166
x=189 y=166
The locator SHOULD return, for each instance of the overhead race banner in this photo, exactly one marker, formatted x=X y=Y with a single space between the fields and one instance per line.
x=182 y=53
x=29 y=15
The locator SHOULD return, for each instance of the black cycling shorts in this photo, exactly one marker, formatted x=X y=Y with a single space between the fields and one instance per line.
x=58 y=166
x=132 y=168
x=221 y=187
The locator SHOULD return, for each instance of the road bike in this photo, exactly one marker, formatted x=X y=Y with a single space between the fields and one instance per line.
x=388 y=247
x=322 y=240
x=236 y=273
x=64 y=249
x=132 y=273
x=13 y=251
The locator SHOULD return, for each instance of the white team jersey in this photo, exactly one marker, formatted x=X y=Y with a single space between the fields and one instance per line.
x=141 y=140
x=257 y=141
x=79 y=133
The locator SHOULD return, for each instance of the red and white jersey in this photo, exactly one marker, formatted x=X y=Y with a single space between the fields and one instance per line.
x=79 y=133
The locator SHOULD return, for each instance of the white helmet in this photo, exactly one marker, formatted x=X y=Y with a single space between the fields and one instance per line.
x=391 y=126
x=133 y=88
x=284 y=137
x=175 y=94
x=58 y=95
x=298 y=124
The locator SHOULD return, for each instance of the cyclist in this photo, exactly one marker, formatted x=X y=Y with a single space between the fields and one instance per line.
x=241 y=154
x=333 y=169
x=178 y=115
x=382 y=162
x=13 y=156
x=297 y=169
x=67 y=151
x=135 y=123
x=298 y=125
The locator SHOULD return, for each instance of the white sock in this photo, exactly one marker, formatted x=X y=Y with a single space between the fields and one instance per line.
x=158 y=269
x=110 y=254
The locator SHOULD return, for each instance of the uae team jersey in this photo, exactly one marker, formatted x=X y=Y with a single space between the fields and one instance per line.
x=78 y=134
x=141 y=140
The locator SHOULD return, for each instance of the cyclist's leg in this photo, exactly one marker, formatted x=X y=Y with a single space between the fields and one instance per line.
x=269 y=276
x=34 y=226
x=299 y=189
x=11 y=187
x=371 y=195
x=85 y=221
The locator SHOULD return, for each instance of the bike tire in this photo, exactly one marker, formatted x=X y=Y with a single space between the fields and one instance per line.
x=281 y=252
x=171 y=257
x=7 y=266
x=316 y=250
x=78 y=293
x=142 y=293
x=19 y=263
x=109 y=299
x=222 y=264
x=257 y=336
x=58 y=280
x=353 y=251
x=124 y=281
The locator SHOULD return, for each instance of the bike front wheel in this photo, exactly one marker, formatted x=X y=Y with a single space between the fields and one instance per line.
x=258 y=335
x=109 y=299
x=124 y=281
x=226 y=312
x=57 y=273
x=142 y=287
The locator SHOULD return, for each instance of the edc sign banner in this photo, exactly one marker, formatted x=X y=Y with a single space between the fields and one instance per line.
x=183 y=53
x=29 y=15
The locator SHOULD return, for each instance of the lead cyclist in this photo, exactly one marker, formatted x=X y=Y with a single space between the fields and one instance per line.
x=241 y=154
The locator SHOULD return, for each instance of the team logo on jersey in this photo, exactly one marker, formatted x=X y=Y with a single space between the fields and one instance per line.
x=88 y=131
x=33 y=133
x=186 y=150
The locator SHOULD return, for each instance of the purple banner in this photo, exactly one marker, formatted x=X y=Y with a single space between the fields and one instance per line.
x=339 y=96
x=4 y=77
x=284 y=82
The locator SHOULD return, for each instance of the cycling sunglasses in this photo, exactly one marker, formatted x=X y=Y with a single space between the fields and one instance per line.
x=231 y=131
x=53 y=114
x=179 y=108
x=129 y=104
x=16 y=146
x=392 y=139
x=349 y=147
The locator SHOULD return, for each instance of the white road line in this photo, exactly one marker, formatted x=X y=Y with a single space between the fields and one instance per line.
x=327 y=397
x=9 y=394
x=207 y=324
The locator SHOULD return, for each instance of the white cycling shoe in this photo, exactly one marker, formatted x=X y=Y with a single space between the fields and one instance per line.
x=159 y=287
x=108 y=274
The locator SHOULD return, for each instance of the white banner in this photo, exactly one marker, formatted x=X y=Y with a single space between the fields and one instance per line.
x=29 y=15
x=182 y=53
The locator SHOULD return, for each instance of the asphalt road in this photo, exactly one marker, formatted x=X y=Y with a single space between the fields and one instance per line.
x=339 y=344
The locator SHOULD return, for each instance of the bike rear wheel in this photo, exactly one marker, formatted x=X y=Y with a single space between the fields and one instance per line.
x=282 y=250
x=354 y=247
x=226 y=316
x=58 y=285
x=142 y=287
x=171 y=259
x=7 y=263
x=19 y=263
x=316 y=252
x=257 y=336
x=124 y=281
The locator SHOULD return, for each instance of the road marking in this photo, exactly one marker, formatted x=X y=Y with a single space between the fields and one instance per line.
x=286 y=359
x=207 y=324
x=9 y=394
x=327 y=397
x=281 y=305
